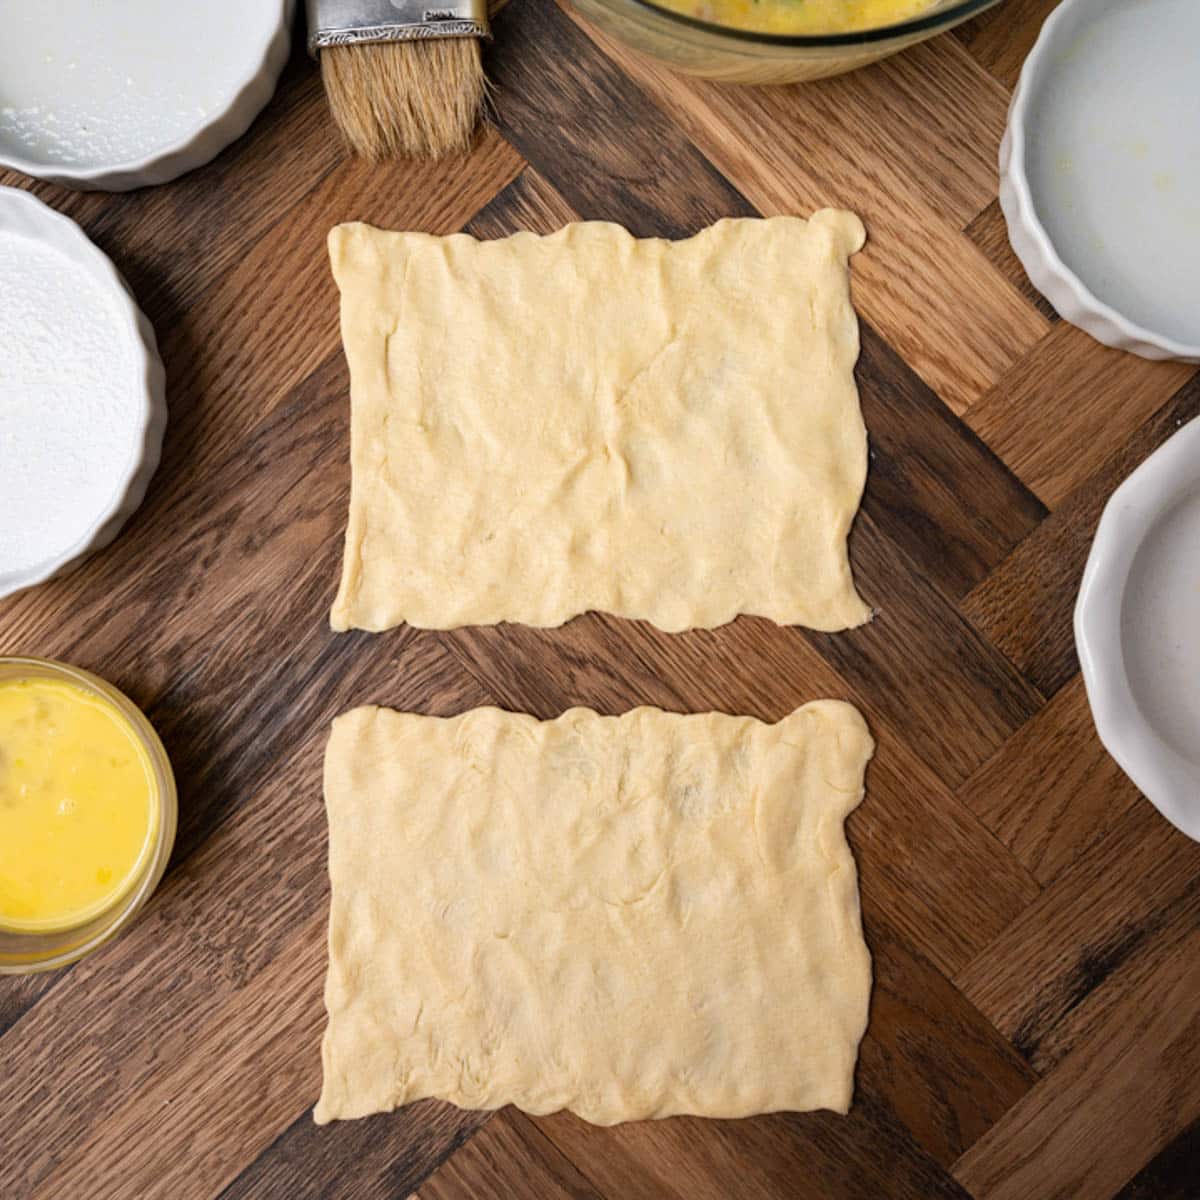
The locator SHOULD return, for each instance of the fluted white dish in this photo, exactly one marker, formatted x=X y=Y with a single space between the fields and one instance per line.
x=1137 y=628
x=119 y=94
x=134 y=423
x=1100 y=172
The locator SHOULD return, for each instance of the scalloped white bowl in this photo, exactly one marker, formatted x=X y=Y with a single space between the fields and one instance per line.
x=1100 y=174
x=1137 y=628
x=135 y=423
x=119 y=94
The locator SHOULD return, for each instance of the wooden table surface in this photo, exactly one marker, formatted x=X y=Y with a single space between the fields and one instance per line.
x=1035 y=924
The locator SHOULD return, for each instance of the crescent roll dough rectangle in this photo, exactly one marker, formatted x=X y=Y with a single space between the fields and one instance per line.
x=546 y=425
x=626 y=917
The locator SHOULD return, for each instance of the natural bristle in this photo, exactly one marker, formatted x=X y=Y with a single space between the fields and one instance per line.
x=419 y=99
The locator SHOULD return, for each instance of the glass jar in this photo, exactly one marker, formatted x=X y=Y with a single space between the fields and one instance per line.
x=25 y=950
x=741 y=56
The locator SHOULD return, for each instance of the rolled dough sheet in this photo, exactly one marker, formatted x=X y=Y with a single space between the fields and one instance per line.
x=546 y=425
x=625 y=916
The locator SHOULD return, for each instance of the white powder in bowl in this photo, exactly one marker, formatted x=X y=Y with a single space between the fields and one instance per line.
x=72 y=404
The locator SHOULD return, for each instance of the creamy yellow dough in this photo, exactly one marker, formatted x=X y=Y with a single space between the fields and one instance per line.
x=546 y=425
x=626 y=917
x=801 y=17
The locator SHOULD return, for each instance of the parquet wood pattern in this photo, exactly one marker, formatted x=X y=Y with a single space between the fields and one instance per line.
x=1035 y=925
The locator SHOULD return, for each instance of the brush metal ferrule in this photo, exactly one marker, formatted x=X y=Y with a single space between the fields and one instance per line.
x=354 y=22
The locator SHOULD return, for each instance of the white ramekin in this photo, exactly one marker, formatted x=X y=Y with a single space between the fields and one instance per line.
x=1062 y=36
x=1112 y=652
x=25 y=215
x=215 y=129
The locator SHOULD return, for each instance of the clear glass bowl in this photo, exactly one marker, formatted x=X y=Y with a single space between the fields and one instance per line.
x=23 y=952
x=740 y=56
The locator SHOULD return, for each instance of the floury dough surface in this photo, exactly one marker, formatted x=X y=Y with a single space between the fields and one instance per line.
x=547 y=425
x=627 y=917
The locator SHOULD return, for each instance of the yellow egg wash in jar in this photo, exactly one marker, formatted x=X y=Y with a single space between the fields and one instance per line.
x=79 y=805
x=801 y=17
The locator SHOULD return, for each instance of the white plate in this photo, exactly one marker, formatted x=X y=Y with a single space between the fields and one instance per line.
x=1137 y=628
x=1100 y=171
x=117 y=94
x=81 y=395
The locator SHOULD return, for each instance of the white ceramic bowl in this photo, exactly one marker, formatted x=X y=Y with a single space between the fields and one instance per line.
x=1137 y=628
x=1099 y=172
x=119 y=94
x=133 y=425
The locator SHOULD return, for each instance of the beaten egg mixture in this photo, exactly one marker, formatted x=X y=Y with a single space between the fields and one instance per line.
x=77 y=805
x=800 y=16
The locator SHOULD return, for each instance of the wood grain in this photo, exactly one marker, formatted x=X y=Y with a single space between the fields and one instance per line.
x=1055 y=970
x=1024 y=607
x=1051 y=789
x=1050 y=444
x=1077 y=1131
x=1034 y=924
x=990 y=233
x=511 y=1157
x=1000 y=39
x=949 y=503
x=1171 y=1175
x=930 y=1057
x=868 y=1153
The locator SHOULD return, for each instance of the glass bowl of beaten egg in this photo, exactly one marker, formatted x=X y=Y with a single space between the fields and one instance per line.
x=87 y=813
x=774 y=41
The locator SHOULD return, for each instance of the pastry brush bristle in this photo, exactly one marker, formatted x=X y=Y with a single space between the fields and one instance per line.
x=415 y=99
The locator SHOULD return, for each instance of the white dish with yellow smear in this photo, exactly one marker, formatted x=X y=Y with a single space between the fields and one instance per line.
x=1100 y=171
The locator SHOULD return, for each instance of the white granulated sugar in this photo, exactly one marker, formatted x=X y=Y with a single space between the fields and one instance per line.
x=71 y=403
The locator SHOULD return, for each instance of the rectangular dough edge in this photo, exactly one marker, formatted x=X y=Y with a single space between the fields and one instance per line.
x=542 y=426
x=627 y=917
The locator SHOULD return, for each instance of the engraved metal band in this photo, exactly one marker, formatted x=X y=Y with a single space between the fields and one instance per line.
x=355 y=22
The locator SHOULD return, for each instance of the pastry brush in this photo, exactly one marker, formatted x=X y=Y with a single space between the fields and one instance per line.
x=403 y=78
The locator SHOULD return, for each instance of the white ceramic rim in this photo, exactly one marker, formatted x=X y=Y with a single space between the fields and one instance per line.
x=193 y=150
x=1169 y=781
x=1060 y=285
x=24 y=214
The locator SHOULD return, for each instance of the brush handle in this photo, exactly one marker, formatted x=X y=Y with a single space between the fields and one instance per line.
x=353 y=22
